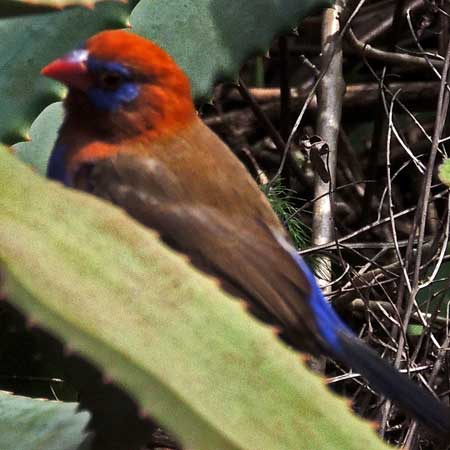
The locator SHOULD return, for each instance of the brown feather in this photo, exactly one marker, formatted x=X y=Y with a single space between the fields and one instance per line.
x=227 y=228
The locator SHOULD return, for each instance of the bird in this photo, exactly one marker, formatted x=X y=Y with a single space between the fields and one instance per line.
x=131 y=135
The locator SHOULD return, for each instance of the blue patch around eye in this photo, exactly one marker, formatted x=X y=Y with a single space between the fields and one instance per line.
x=56 y=168
x=328 y=322
x=107 y=99
x=95 y=65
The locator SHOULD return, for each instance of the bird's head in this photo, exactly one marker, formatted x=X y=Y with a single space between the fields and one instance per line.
x=126 y=82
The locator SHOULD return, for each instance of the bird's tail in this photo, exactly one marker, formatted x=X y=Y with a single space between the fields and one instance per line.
x=385 y=379
x=340 y=343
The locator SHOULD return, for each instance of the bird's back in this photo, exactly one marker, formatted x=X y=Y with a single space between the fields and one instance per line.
x=202 y=166
x=181 y=188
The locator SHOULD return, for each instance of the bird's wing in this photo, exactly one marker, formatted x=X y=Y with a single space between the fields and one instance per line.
x=249 y=262
x=252 y=262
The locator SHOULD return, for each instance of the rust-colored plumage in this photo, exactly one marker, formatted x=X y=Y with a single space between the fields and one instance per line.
x=131 y=135
x=163 y=107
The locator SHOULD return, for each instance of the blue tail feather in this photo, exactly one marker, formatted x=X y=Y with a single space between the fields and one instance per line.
x=349 y=349
x=328 y=322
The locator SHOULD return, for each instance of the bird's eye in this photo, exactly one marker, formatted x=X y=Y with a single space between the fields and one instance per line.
x=110 y=80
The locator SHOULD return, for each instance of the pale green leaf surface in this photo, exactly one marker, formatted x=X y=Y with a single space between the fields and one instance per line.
x=191 y=355
x=32 y=424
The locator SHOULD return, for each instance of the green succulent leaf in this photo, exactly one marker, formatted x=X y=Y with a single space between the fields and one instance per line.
x=30 y=424
x=43 y=135
x=188 y=353
x=211 y=39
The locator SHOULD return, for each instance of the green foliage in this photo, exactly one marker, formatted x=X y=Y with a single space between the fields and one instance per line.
x=191 y=355
x=43 y=135
x=414 y=330
x=436 y=295
x=215 y=37
x=444 y=172
x=282 y=202
x=30 y=424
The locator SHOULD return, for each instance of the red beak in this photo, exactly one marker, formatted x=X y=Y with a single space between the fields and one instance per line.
x=70 y=70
